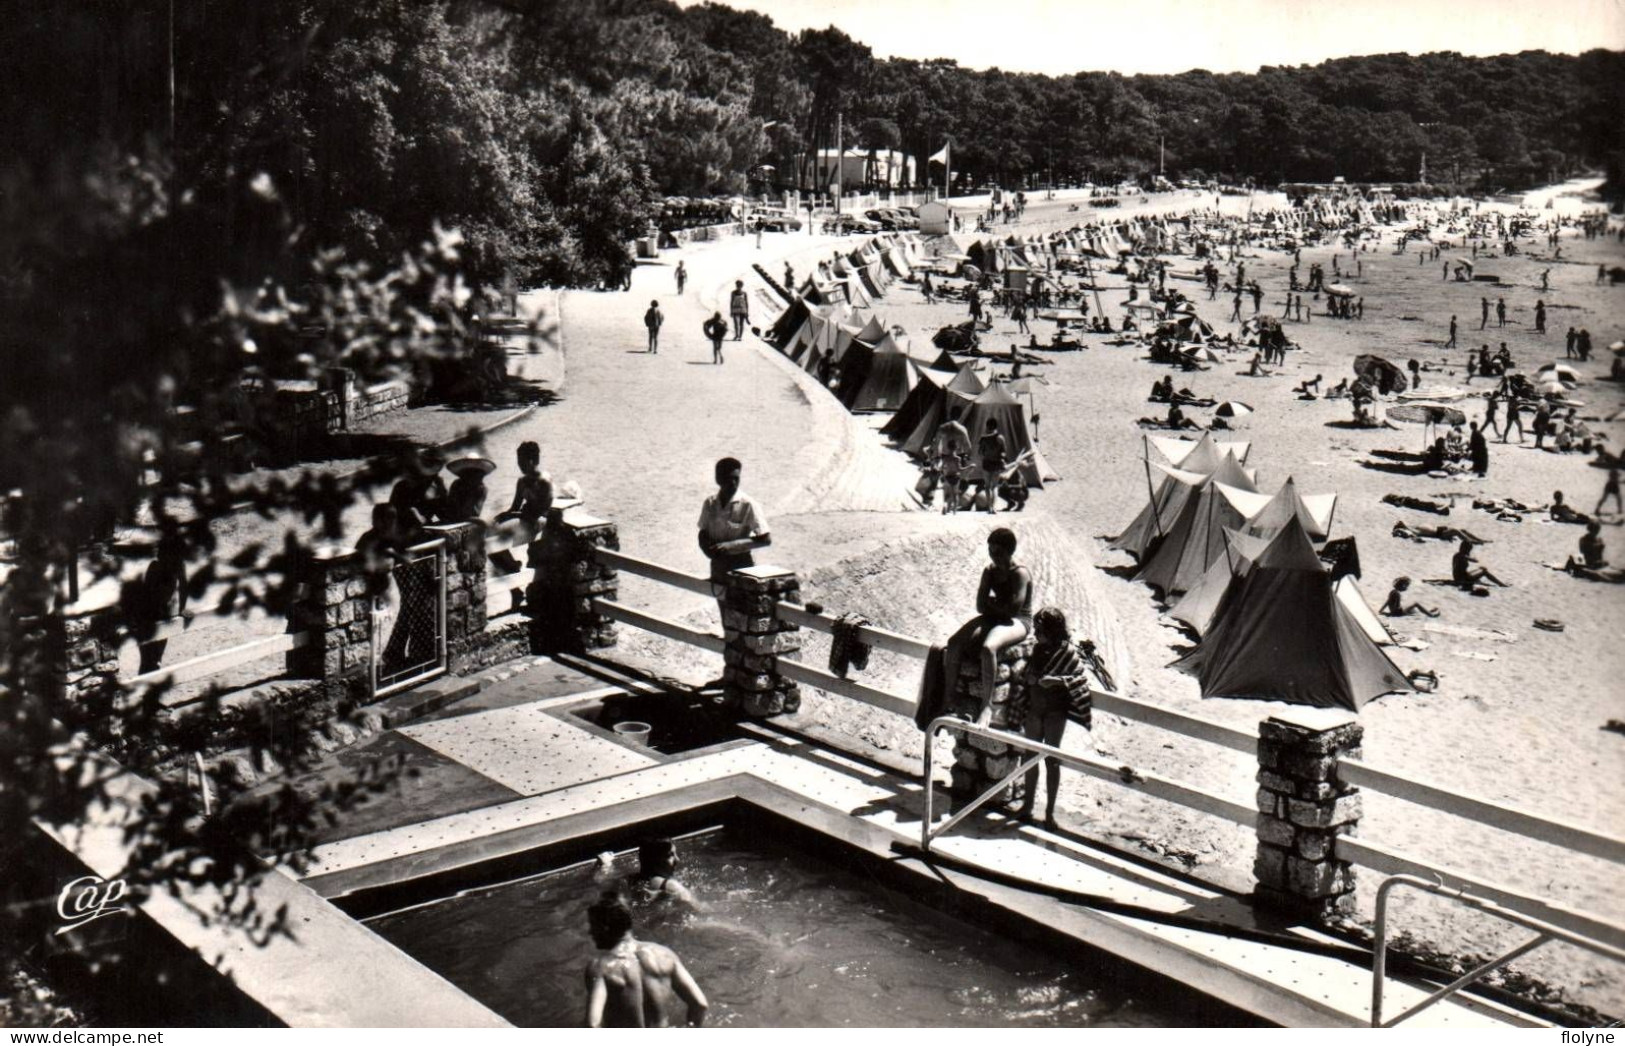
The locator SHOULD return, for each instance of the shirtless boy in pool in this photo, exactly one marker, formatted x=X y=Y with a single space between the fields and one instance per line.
x=633 y=983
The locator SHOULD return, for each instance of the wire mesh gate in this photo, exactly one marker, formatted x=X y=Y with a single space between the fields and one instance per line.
x=409 y=637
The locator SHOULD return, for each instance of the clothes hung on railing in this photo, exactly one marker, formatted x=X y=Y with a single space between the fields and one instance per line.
x=932 y=698
x=846 y=649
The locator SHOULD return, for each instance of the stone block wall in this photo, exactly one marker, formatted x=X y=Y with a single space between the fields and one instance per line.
x=568 y=578
x=1303 y=808
x=979 y=763
x=83 y=649
x=755 y=636
x=383 y=398
x=336 y=609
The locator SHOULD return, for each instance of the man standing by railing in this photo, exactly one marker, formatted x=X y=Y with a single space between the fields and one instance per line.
x=731 y=525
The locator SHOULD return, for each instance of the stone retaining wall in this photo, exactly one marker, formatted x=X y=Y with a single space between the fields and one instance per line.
x=980 y=763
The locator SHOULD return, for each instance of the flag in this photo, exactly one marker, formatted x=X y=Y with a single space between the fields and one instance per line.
x=940 y=156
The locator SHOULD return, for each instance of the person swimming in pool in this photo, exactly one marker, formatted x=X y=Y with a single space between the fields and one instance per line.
x=632 y=983
x=655 y=879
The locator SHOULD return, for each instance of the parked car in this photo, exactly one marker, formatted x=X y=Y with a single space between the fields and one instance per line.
x=879 y=217
x=774 y=219
x=849 y=224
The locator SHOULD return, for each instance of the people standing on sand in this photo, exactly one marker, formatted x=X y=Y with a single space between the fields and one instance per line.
x=1452 y=342
x=1582 y=345
x=1478 y=450
x=1004 y=617
x=653 y=319
x=1546 y=279
x=951 y=446
x=1543 y=423
x=789 y=278
x=633 y=983
x=1500 y=312
x=715 y=329
x=1540 y=316
x=1610 y=489
x=1484 y=313
x=1465 y=574
x=1395 y=606
x=739 y=308
x=1019 y=313
x=1057 y=685
x=990 y=453
x=1514 y=417
x=1235 y=309
x=1568 y=343
x=682 y=277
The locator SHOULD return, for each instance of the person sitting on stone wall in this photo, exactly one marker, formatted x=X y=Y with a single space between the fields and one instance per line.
x=1004 y=602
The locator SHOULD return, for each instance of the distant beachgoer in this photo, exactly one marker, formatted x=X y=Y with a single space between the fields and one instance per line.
x=1478 y=449
x=716 y=330
x=1465 y=574
x=1593 y=550
x=1500 y=312
x=1396 y=605
x=1540 y=317
x=653 y=319
x=1610 y=489
x=1568 y=343
x=682 y=277
x=1057 y=685
x=159 y=596
x=951 y=445
x=1546 y=279
x=1543 y=423
x=990 y=452
x=1562 y=512
x=739 y=308
x=466 y=498
x=1004 y=609
x=1484 y=308
x=1452 y=342
x=633 y=983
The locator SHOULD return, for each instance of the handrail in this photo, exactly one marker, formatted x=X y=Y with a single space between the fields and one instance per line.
x=1175 y=722
x=655 y=572
x=799 y=672
x=1393 y=862
x=658 y=625
x=1379 y=967
x=1149 y=783
x=208 y=664
x=1496 y=815
x=896 y=642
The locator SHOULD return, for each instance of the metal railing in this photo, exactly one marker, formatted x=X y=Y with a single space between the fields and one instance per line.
x=1141 y=781
x=1544 y=932
x=1563 y=920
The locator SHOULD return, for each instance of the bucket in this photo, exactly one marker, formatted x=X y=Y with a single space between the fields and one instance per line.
x=634 y=731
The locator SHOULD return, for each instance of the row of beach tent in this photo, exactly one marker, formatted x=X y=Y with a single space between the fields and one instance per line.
x=1240 y=569
x=832 y=328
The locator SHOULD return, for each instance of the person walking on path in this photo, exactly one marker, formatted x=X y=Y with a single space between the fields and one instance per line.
x=682 y=277
x=653 y=319
x=1452 y=342
x=1540 y=316
x=739 y=308
x=715 y=330
x=1500 y=312
x=1492 y=410
x=1484 y=313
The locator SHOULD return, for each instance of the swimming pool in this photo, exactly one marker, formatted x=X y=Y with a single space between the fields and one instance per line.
x=787 y=939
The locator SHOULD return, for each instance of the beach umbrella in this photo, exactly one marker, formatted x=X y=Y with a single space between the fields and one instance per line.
x=1233 y=409
x=1427 y=414
x=1617 y=348
x=1341 y=289
x=970 y=272
x=1560 y=372
x=1551 y=387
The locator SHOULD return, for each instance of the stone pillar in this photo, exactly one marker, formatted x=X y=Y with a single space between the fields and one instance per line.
x=979 y=763
x=1303 y=808
x=756 y=636
x=335 y=607
x=568 y=578
x=465 y=588
x=83 y=648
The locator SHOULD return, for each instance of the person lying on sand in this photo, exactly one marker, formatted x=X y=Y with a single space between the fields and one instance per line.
x=1396 y=605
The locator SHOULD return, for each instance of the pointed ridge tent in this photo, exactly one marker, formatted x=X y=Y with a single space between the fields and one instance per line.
x=788 y=325
x=891 y=377
x=1353 y=600
x=1200 y=455
x=1281 y=633
x=1266 y=515
x=960 y=391
x=996 y=404
x=1198 y=605
x=1169 y=495
x=1195 y=540
x=945 y=362
x=924 y=396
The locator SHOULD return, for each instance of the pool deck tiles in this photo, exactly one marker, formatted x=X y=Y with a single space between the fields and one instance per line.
x=563 y=771
x=527 y=748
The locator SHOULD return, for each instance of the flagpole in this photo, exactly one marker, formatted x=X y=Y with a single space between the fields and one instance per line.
x=947 y=168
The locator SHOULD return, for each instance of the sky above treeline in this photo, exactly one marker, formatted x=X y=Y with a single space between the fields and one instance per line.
x=1171 y=36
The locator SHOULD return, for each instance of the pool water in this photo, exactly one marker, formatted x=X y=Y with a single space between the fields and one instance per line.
x=785 y=940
